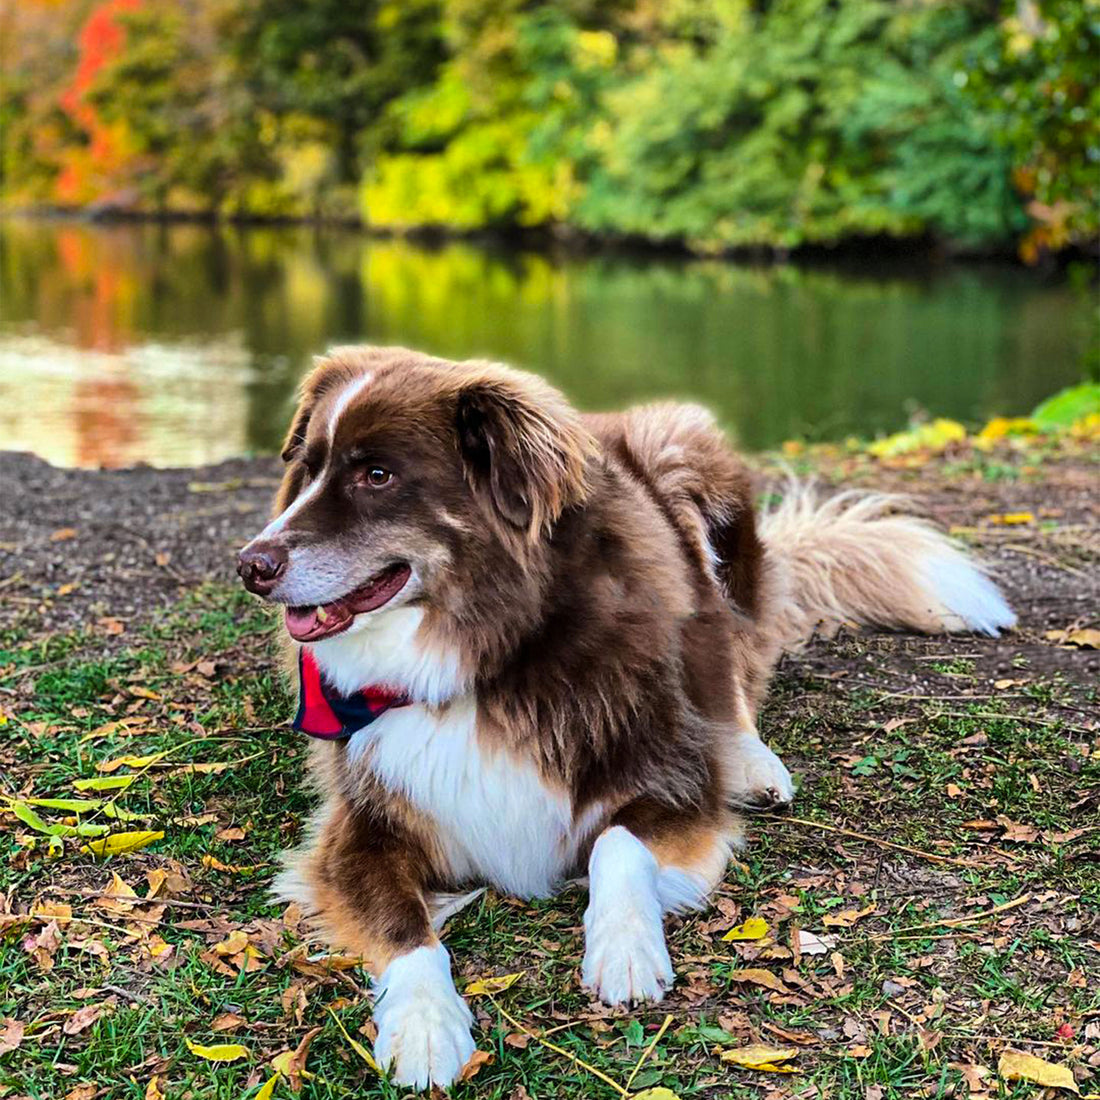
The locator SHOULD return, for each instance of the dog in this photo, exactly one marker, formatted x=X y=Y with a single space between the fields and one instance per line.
x=530 y=644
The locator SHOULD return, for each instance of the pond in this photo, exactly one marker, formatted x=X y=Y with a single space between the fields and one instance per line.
x=182 y=344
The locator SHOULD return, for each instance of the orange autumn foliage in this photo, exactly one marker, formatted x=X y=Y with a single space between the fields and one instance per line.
x=91 y=170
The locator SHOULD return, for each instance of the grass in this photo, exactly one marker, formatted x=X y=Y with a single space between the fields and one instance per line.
x=899 y=1004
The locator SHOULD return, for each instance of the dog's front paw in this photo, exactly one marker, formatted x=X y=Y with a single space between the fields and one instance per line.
x=423 y=1024
x=758 y=779
x=625 y=957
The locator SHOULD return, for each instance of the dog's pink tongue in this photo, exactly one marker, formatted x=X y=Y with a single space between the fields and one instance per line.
x=306 y=624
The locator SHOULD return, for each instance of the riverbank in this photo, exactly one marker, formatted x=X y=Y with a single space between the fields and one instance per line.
x=932 y=901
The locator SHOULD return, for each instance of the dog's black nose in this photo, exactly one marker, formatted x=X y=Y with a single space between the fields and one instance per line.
x=260 y=565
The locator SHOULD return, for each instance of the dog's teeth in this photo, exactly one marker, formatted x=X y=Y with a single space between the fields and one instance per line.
x=322 y=615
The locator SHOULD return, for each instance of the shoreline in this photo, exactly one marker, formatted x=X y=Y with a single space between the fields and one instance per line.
x=923 y=251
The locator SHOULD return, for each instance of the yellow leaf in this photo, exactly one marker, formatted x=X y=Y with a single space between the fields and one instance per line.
x=121 y=842
x=759 y=977
x=233 y=944
x=220 y=1052
x=658 y=1093
x=129 y=762
x=761 y=1056
x=268 y=1090
x=493 y=985
x=1085 y=639
x=357 y=1046
x=153 y=1089
x=1014 y=1065
x=144 y=693
x=755 y=928
x=105 y=783
x=1010 y=519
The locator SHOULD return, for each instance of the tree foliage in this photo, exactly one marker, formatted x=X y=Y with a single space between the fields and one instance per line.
x=719 y=123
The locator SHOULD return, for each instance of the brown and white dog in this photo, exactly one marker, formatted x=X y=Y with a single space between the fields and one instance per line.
x=571 y=621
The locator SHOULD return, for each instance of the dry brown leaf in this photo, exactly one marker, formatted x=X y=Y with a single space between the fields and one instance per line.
x=292 y=1063
x=11 y=1036
x=83 y=1018
x=234 y=833
x=517 y=1039
x=845 y=919
x=53 y=910
x=228 y=1021
x=63 y=534
x=82 y=1092
x=757 y=976
x=119 y=897
x=1015 y=1065
x=478 y=1059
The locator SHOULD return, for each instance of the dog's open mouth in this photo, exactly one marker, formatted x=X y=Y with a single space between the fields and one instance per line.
x=311 y=624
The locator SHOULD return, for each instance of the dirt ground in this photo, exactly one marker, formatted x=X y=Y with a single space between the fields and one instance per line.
x=932 y=899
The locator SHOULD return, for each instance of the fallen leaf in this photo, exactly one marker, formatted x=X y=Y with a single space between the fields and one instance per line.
x=658 y=1093
x=761 y=1056
x=117 y=843
x=757 y=976
x=292 y=1063
x=357 y=1046
x=220 y=1052
x=845 y=919
x=1011 y=519
x=493 y=985
x=216 y=864
x=1014 y=1065
x=517 y=1039
x=1084 y=639
x=755 y=928
x=478 y=1059
x=63 y=534
x=104 y=783
x=83 y=1018
x=227 y=1021
x=235 y=833
x=11 y=1036
x=153 y=1090
x=129 y=762
x=809 y=943
x=53 y=910
x=118 y=897
x=268 y=1089
x=82 y=1092
x=233 y=944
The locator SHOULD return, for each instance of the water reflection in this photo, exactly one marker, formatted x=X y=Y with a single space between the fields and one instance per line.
x=182 y=344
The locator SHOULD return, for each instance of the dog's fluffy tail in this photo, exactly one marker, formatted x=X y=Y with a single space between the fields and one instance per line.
x=865 y=558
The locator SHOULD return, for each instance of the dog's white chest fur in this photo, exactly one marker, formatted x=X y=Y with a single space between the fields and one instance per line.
x=495 y=819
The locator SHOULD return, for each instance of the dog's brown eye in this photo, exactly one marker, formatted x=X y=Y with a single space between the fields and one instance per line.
x=377 y=477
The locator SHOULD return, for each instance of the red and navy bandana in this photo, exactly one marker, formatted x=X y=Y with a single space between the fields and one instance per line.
x=323 y=712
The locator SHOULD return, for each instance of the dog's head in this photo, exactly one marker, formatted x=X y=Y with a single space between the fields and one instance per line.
x=407 y=477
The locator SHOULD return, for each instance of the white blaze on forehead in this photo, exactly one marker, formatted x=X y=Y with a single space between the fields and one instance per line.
x=295 y=506
x=350 y=392
x=347 y=395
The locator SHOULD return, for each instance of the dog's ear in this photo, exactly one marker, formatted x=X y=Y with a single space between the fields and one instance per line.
x=524 y=447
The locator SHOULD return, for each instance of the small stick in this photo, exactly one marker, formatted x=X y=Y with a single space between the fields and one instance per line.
x=955 y=922
x=558 y=1050
x=648 y=1050
x=872 y=840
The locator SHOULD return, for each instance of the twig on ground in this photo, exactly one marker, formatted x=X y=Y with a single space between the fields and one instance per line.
x=955 y=922
x=873 y=840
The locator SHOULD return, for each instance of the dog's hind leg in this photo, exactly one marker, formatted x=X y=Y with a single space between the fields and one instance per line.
x=362 y=881
x=650 y=861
